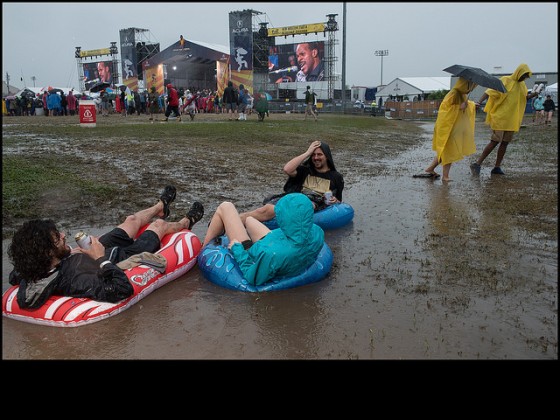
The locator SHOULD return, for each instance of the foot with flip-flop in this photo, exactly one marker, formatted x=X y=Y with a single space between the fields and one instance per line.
x=433 y=175
x=430 y=172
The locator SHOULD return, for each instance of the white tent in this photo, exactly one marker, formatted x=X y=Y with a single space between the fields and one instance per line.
x=412 y=87
x=66 y=90
x=30 y=89
x=552 y=90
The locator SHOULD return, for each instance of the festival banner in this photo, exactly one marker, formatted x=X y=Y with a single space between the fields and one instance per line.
x=241 y=48
x=153 y=76
x=129 y=60
x=222 y=76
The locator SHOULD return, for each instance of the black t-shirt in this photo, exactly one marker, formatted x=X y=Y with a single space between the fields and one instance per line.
x=309 y=178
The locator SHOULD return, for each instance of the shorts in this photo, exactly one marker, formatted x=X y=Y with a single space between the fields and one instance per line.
x=317 y=200
x=119 y=246
x=231 y=106
x=498 y=136
x=247 y=244
x=241 y=108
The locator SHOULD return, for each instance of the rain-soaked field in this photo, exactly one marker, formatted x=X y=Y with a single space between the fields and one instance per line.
x=427 y=270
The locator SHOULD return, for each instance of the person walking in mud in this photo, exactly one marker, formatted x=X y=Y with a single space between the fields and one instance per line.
x=549 y=108
x=538 y=105
x=312 y=173
x=504 y=115
x=261 y=105
x=45 y=265
x=190 y=104
x=453 y=137
x=230 y=99
x=172 y=103
x=153 y=105
x=310 y=103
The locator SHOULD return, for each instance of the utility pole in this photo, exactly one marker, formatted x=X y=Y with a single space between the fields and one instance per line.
x=343 y=56
x=33 y=78
x=8 y=82
x=382 y=53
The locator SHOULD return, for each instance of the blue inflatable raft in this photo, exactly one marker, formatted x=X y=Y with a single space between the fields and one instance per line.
x=331 y=217
x=218 y=265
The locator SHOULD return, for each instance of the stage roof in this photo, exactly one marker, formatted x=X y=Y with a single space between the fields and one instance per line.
x=193 y=64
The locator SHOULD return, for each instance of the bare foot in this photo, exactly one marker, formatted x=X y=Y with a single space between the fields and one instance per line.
x=446 y=179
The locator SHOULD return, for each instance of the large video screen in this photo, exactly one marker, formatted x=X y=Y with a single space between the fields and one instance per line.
x=301 y=62
x=100 y=71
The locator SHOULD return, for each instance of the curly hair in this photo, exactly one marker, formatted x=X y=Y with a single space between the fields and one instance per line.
x=33 y=247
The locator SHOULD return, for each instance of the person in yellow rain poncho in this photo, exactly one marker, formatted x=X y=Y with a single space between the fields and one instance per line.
x=454 y=129
x=504 y=114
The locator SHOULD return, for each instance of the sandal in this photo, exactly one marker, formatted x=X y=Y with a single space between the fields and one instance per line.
x=427 y=175
x=195 y=214
x=167 y=197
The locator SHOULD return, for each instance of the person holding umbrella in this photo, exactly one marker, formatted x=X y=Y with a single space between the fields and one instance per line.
x=453 y=137
x=504 y=114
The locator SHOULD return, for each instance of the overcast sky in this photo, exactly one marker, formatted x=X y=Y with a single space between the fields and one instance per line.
x=39 y=39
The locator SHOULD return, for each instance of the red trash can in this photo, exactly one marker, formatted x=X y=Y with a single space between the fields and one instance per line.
x=88 y=113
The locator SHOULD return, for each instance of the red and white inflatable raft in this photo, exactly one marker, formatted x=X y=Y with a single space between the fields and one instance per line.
x=179 y=249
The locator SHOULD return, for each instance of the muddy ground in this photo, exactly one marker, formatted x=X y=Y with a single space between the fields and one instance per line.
x=427 y=270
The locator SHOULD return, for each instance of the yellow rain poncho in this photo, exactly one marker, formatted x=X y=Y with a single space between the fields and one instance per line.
x=504 y=111
x=454 y=129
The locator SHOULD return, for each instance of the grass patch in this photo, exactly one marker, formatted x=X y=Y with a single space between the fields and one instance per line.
x=25 y=179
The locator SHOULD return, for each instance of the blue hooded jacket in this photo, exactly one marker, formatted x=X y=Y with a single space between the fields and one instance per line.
x=286 y=251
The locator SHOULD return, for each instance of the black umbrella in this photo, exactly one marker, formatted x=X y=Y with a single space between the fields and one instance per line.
x=27 y=93
x=56 y=90
x=478 y=76
x=98 y=87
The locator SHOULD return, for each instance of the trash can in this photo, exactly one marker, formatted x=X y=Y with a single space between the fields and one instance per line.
x=88 y=113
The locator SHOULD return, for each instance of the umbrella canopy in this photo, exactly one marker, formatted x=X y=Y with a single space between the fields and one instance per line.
x=98 y=87
x=55 y=90
x=27 y=93
x=476 y=75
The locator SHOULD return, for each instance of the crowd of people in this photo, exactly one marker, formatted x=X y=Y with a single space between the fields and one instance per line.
x=187 y=102
x=51 y=103
x=236 y=102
